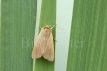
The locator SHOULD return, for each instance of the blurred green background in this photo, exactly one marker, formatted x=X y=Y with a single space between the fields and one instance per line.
x=86 y=46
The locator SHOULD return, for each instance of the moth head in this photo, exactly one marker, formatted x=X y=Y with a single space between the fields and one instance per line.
x=46 y=28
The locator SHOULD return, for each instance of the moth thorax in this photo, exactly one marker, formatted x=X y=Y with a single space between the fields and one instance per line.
x=45 y=32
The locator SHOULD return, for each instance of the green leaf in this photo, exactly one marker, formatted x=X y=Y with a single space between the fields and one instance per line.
x=18 y=27
x=0 y=30
x=88 y=48
x=48 y=15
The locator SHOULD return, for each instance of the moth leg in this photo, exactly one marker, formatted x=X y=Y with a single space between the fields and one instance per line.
x=54 y=39
x=39 y=27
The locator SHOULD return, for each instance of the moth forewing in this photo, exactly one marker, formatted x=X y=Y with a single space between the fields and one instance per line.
x=36 y=52
x=44 y=45
x=49 y=53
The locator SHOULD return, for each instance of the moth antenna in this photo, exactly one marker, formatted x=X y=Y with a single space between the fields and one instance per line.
x=40 y=20
x=57 y=27
x=53 y=26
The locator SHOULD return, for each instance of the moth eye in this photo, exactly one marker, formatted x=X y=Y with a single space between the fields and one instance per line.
x=47 y=28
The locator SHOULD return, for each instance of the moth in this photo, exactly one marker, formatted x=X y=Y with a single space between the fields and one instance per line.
x=44 y=45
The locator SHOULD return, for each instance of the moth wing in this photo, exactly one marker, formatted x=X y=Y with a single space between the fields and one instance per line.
x=49 y=53
x=37 y=50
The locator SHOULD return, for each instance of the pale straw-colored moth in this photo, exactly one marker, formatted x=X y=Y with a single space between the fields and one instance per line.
x=44 y=45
